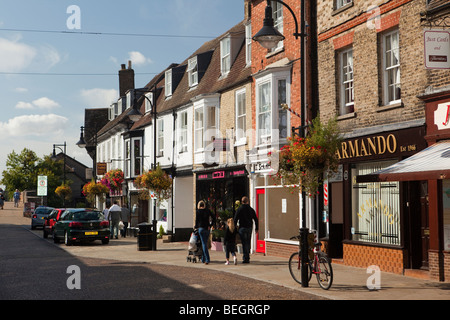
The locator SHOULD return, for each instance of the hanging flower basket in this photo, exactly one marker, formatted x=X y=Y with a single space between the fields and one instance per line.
x=157 y=181
x=64 y=191
x=113 y=180
x=93 y=189
x=303 y=161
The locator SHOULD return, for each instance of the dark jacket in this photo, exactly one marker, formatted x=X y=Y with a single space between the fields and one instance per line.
x=244 y=216
x=204 y=219
x=230 y=237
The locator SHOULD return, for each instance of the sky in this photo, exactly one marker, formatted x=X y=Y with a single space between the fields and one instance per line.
x=59 y=57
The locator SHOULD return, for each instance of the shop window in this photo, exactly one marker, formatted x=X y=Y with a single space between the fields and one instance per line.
x=375 y=207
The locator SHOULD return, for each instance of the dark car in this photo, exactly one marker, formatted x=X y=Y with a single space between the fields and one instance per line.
x=50 y=221
x=39 y=215
x=81 y=225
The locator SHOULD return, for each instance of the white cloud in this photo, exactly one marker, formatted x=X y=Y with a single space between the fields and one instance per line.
x=99 y=98
x=41 y=103
x=45 y=103
x=138 y=58
x=33 y=125
x=21 y=90
x=24 y=105
x=15 y=56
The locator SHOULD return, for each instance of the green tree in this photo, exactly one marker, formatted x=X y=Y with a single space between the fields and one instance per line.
x=24 y=168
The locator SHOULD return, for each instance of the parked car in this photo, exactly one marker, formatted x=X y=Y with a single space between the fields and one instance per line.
x=39 y=215
x=81 y=225
x=50 y=221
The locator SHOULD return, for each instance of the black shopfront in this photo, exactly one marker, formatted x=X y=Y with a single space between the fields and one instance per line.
x=221 y=188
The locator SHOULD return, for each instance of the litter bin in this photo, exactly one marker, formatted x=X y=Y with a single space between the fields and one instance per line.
x=144 y=236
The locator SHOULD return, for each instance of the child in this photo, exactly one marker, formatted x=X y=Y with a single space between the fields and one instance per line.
x=230 y=241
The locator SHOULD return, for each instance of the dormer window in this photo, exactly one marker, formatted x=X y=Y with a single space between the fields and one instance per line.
x=129 y=99
x=192 y=71
x=168 y=83
x=248 y=44
x=113 y=111
x=148 y=101
x=225 y=56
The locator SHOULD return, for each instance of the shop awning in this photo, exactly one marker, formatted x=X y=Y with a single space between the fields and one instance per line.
x=430 y=163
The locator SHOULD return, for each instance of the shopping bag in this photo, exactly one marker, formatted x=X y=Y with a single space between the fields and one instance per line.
x=192 y=242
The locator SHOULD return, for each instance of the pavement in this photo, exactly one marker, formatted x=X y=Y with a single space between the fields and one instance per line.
x=349 y=283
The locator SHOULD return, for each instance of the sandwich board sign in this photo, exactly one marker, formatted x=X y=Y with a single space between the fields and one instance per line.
x=42 y=186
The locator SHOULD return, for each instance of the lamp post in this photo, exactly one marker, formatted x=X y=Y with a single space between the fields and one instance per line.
x=64 y=163
x=83 y=144
x=269 y=37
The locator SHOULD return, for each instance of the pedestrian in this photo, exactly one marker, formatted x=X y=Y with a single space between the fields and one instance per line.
x=115 y=216
x=2 y=199
x=243 y=218
x=204 y=220
x=126 y=218
x=16 y=198
x=106 y=211
x=230 y=241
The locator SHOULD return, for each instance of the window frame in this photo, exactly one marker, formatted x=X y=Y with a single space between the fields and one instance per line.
x=387 y=86
x=192 y=71
x=344 y=84
x=241 y=118
x=168 y=83
x=183 y=135
x=160 y=137
x=225 y=56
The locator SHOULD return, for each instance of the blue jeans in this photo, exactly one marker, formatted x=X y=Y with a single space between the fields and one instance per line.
x=246 y=235
x=204 y=236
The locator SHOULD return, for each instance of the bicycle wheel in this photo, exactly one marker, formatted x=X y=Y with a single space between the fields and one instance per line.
x=324 y=272
x=295 y=267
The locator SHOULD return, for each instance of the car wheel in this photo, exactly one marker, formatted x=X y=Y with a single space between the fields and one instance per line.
x=45 y=234
x=67 y=241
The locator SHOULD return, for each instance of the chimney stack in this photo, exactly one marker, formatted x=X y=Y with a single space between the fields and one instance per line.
x=126 y=79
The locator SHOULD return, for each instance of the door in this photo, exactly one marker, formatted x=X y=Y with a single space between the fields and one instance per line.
x=417 y=209
x=260 y=211
x=424 y=224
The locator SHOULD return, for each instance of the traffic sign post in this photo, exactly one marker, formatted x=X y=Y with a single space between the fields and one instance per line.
x=42 y=186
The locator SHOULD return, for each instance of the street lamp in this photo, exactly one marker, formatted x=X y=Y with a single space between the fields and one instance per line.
x=54 y=158
x=81 y=143
x=268 y=37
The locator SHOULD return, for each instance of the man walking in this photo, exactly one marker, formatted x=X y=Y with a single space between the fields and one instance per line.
x=244 y=216
x=126 y=218
x=115 y=216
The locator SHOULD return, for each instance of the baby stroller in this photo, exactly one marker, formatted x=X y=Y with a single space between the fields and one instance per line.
x=195 y=247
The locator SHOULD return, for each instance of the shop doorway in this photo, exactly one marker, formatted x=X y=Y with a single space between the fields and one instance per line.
x=336 y=220
x=419 y=233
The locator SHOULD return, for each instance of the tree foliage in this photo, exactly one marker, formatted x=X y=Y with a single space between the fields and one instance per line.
x=23 y=169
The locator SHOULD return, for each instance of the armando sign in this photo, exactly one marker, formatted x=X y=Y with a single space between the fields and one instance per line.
x=384 y=145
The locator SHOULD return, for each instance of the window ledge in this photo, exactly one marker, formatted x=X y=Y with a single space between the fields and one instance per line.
x=350 y=115
x=341 y=9
x=274 y=53
x=390 y=106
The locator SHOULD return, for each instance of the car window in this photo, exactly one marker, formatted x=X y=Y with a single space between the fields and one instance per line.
x=88 y=215
x=65 y=215
x=43 y=210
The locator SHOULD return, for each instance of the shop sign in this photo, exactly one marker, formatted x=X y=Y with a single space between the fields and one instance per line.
x=437 y=49
x=101 y=168
x=221 y=174
x=442 y=116
x=395 y=144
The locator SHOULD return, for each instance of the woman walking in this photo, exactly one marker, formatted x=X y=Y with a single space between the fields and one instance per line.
x=204 y=220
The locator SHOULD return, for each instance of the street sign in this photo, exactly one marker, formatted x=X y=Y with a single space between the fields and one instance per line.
x=437 y=49
x=42 y=186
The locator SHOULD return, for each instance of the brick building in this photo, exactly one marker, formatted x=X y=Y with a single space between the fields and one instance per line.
x=277 y=82
x=372 y=76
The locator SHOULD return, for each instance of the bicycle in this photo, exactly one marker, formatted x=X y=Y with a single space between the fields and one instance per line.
x=318 y=263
